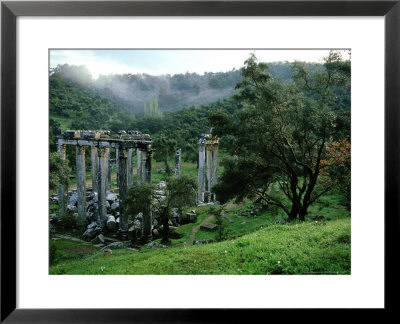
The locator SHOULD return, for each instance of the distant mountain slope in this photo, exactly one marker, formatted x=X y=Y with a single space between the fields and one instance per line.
x=139 y=100
x=172 y=93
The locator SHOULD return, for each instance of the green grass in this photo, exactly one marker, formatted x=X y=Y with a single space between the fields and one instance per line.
x=304 y=248
x=65 y=250
x=257 y=247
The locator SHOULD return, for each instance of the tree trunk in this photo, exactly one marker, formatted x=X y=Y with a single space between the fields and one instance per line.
x=303 y=212
x=294 y=210
x=307 y=197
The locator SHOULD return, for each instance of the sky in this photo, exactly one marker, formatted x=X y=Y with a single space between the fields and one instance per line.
x=161 y=62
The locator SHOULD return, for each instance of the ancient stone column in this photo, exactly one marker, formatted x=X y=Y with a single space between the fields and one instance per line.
x=117 y=163
x=146 y=226
x=201 y=174
x=208 y=173
x=147 y=167
x=129 y=162
x=123 y=187
x=94 y=168
x=178 y=162
x=214 y=166
x=101 y=184
x=62 y=189
x=81 y=182
x=108 y=169
x=139 y=165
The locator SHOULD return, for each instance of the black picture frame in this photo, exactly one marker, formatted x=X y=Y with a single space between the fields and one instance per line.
x=11 y=10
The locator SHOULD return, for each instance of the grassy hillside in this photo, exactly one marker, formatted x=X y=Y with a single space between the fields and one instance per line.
x=301 y=248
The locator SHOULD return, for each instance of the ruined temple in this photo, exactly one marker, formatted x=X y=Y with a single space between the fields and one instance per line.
x=100 y=142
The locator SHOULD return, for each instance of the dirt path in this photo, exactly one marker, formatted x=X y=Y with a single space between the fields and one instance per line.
x=195 y=229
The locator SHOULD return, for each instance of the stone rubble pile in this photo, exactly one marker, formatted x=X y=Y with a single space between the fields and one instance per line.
x=252 y=210
x=99 y=234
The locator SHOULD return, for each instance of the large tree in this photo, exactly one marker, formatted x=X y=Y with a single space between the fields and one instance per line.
x=179 y=192
x=281 y=134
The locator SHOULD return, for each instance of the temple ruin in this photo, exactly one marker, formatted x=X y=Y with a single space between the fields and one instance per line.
x=100 y=143
x=208 y=168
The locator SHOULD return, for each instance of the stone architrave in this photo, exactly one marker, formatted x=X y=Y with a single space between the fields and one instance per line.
x=123 y=187
x=178 y=162
x=101 y=184
x=81 y=182
x=139 y=165
x=129 y=162
x=201 y=173
x=94 y=168
x=62 y=189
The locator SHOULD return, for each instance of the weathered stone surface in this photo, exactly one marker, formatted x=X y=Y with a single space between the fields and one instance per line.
x=53 y=219
x=111 y=223
x=161 y=185
x=68 y=237
x=227 y=218
x=106 y=251
x=73 y=199
x=191 y=217
x=156 y=233
x=92 y=231
x=109 y=240
x=72 y=208
x=99 y=239
x=208 y=226
x=317 y=217
x=92 y=225
x=116 y=245
x=203 y=241
x=178 y=162
x=115 y=206
x=281 y=222
x=111 y=197
x=153 y=245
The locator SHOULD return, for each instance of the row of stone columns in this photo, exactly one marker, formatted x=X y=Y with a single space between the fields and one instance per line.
x=101 y=178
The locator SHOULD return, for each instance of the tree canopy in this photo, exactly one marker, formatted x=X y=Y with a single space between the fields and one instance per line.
x=280 y=134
